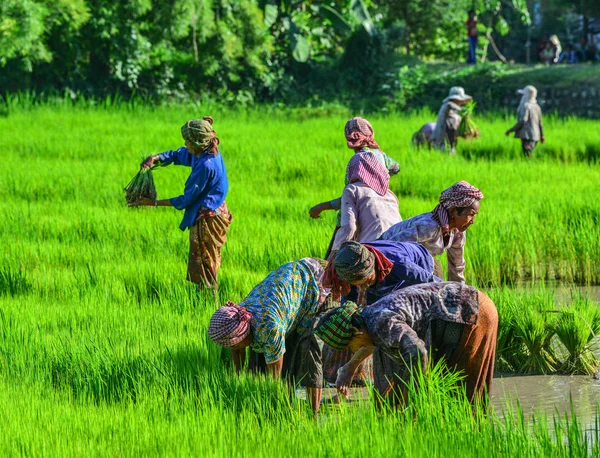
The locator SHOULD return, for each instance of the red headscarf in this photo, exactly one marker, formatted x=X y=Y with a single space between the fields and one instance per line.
x=359 y=133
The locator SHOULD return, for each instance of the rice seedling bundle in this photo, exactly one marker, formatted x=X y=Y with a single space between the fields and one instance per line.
x=577 y=329
x=467 y=128
x=533 y=332
x=141 y=186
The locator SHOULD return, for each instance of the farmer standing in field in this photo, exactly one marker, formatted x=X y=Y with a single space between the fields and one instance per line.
x=203 y=200
x=360 y=137
x=529 y=126
x=445 y=134
x=365 y=272
x=444 y=228
x=407 y=328
x=276 y=320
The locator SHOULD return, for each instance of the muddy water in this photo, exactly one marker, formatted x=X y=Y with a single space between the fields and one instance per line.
x=563 y=292
x=550 y=394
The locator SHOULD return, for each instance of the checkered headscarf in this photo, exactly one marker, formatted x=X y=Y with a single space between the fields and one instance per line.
x=366 y=168
x=359 y=133
x=229 y=325
x=335 y=328
x=200 y=133
x=460 y=194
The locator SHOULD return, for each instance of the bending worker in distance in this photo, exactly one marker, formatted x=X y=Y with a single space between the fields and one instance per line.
x=276 y=320
x=411 y=326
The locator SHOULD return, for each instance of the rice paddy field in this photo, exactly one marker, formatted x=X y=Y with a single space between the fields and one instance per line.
x=103 y=346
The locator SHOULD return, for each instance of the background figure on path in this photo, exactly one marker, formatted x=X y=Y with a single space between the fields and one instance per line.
x=444 y=228
x=529 y=127
x=472 y=34
x=363 y=273
x=276 y=320
x=206 y=213
x=409 y=327
x=369 y=207
x=444 y=136
x=360 y=137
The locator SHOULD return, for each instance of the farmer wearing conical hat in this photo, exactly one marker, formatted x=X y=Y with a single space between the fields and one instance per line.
x=373 y=170
x=529 y=126
x=276 y=321
x=409 y=327
x=203 y=200
x=444 y=136
x=444 y=228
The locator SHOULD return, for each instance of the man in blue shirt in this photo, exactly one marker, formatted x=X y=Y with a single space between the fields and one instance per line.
x=203 y=200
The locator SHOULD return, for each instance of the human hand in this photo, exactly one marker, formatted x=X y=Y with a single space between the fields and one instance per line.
x=344 y=380
x=543 y=139
x=507 y=133
x=143 y=202
x=148 y=162
x=315 y=211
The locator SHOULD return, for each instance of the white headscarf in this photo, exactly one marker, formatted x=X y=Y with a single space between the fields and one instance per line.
x=529 y=97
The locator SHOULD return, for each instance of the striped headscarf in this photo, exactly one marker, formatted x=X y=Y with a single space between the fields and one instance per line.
x=229 y=325
x=359 y=133
x=354 y=262
x=200 y=133
x=336 y=327
x=366 y=168
x=460 y=194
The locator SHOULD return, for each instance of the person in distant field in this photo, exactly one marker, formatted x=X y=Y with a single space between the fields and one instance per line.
x=568 y=56
x=276 y=321
x=444 y=228
x=365 y=272
x=444 y=136
x=542 y=45
x=547 y=54
x=360 y=137
x=472 y=35
x=368 y=207
x=206 y=213
x=424 y=135
x=557 y=48
x=529 y=127
x=407 y=328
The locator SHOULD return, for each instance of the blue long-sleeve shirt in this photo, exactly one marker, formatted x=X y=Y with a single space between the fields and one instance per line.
x=206 y=186
x=412 y=265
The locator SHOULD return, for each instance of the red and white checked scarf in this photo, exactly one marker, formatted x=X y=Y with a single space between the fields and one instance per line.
x=460 y=194
x=359 y=133
x=366 y=168
x=229 y=325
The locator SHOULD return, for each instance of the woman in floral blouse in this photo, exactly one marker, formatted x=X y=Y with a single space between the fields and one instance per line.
x=276 y=321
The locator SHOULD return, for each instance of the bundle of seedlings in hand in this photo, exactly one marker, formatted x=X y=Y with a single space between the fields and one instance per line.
x=141 y=186
x=467 y=128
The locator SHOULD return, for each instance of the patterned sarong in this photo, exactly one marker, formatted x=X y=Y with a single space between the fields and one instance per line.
x=207 y=237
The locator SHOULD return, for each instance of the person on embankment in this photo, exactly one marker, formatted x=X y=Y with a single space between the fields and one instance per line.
x=205 y=212
x=276 y=321
x=408 y=328
x=444 y=228
x=360 y=137
x=365 y=272
x=529 y=128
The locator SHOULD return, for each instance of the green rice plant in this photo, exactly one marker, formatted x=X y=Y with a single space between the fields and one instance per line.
x=533 y=331
x=467 y=128
x=141 y=186
x=577 y=328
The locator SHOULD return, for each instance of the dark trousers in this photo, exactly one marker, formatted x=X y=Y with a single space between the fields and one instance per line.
x=472 y=57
